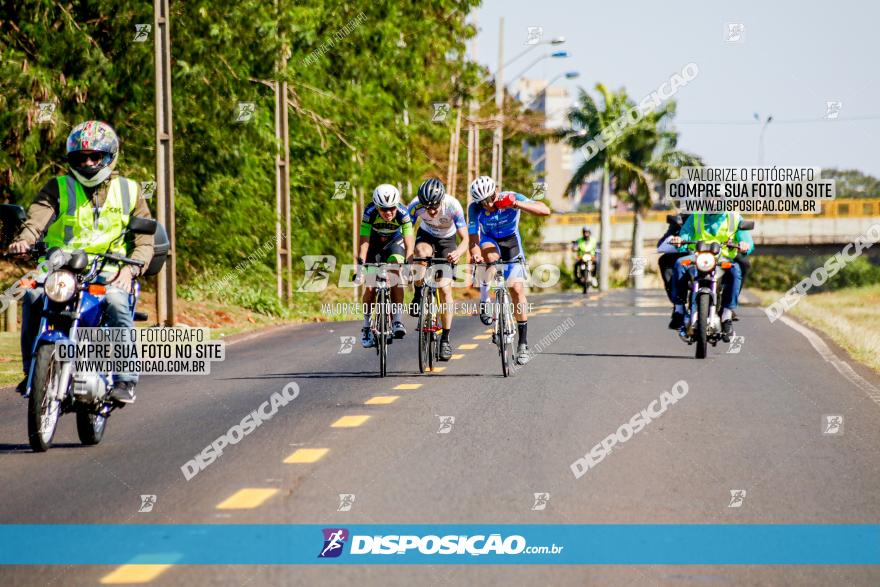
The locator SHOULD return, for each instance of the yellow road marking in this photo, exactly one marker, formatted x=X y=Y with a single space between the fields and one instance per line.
x=349 y=421
x=542 y=311
x=483 y=337
x=247 y=498
x=134 y=574
x=438 y=369
x=306 y=455
x=467 y=347
x=408 y=386
x=381 y=400
x=489 y=330
x=456 y=357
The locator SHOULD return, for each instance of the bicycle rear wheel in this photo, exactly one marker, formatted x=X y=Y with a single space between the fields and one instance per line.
x=504 y=343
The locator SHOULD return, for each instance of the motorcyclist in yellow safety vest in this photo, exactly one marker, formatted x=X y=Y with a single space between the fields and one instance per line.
x=88 y=209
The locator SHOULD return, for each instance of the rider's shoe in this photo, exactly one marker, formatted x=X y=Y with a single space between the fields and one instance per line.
x=726 y=330
x=122 y=392
x=414 y=306
x=485 y=317
x=367 y=339
x=398 y=329
x=523 y=354
x=677 y=321
x=445 y=350
x=21 y=388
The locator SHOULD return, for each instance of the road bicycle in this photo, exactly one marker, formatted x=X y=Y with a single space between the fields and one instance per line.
x=429 y=317
x=504 y=324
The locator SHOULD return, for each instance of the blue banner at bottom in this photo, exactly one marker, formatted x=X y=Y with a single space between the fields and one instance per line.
x=599 y=544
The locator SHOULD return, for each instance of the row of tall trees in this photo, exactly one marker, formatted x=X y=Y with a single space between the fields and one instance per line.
x=363 y=76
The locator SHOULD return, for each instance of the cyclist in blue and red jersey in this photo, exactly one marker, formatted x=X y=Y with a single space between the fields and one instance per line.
x=493 y=229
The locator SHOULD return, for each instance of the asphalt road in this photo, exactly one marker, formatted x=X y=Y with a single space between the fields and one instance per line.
x=752 y=420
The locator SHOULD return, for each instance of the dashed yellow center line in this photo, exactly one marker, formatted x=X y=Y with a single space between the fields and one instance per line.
x=408 y=386
x=489 y=330
x=306 y=455
x=349 y=421
x=456 y=357
x=543 y=311
x=483 y=337
x=134 y=574
x=467 y=347
x=381 y=400
x=248 y=498
x=437 y=369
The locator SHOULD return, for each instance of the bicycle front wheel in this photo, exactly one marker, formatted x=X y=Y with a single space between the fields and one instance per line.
x=424 y=334
x=382 y=334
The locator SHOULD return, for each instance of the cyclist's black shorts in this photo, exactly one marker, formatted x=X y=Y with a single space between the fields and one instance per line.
x=390 y=250
x=442 y=245
x=508 y=247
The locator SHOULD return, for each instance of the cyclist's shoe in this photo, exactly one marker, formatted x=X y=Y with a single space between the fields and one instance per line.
x=122 y=392
x=398 y=329
x=414 y=306
x=523 y=354
x=21 y=388
x=367 y=338
x=485 y=317
x=677 y=321
x=445 y=350
x=726 y=330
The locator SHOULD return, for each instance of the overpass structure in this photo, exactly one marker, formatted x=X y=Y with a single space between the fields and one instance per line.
x=838 y=222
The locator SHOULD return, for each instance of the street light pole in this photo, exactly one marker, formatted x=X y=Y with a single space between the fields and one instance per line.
x=498 y=135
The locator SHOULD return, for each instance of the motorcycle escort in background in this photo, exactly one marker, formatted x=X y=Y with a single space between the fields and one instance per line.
x=702 y=309
x=72 y=300
x=585 y=270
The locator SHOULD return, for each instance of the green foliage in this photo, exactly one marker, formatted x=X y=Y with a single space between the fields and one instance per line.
x=362 y=80
x=852 y=183
x=777 y=273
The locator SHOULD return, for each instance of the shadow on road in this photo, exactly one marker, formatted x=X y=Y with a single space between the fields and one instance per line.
x=631 y=356
x=6 y=448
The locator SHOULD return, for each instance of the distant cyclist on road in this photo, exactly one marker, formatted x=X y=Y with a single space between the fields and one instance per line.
x=493 y=228
x=442 y=218
x=386 y=231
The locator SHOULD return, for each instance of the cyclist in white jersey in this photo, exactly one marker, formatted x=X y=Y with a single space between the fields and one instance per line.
x=441 y=218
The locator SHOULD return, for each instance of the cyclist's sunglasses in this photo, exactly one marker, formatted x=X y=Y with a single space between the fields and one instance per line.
x=79 y=158
x=387 y=209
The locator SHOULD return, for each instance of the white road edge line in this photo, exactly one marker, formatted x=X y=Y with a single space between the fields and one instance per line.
x=842 y=366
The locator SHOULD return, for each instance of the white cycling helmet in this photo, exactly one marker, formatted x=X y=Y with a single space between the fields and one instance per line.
x=386 y=196
x=483 y=187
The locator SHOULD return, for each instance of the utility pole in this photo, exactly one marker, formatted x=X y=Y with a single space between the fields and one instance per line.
x=166 y=286
x=454 y=142
x=283 y=263
x=498 y=134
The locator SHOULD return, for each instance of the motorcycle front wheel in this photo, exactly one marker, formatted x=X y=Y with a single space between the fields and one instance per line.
x=43 y=412
x=702 y=326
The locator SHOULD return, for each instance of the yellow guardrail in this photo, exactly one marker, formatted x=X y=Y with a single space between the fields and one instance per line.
x=844 y=208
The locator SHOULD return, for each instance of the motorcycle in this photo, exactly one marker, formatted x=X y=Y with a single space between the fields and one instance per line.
x=585 y=270
x=702 y=320
x=73 y=300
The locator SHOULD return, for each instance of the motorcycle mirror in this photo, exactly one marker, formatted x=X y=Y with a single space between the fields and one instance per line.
x=78 y=261
x=139 y=225
x=746 y=224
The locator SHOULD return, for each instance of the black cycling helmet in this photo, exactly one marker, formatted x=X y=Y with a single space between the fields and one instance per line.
x=431 y=192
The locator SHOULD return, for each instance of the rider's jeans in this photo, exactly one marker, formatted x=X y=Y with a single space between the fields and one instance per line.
x=732 y=282
x=117 y=313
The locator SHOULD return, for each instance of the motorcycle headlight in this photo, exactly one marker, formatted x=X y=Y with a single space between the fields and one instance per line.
x=705 y=262
x=585 y=258
x=60 y=286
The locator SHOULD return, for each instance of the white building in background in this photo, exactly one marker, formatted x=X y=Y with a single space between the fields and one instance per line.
x=551 y=161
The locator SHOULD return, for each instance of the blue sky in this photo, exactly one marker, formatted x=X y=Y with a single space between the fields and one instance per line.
x=794 y=57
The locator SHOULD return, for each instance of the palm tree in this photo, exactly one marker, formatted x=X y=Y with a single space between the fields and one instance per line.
x=587 y=121
x=644 y=154
x=651 y=156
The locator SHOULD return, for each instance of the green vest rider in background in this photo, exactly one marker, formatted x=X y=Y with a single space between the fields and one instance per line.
x=586 y=245
x=88 y=209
